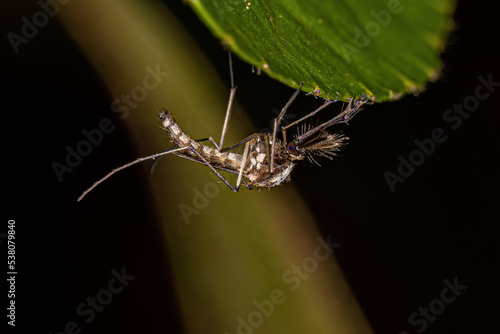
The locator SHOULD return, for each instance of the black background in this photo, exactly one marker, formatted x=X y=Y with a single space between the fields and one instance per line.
x=441 y=223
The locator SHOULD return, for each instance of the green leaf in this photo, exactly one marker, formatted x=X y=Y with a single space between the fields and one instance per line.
x=339 y=48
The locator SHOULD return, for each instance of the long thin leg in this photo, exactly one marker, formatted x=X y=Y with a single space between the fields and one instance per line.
x=211 y=140
x=205 y=162
x=156 y=161
x=266 y=141
x=241 y=142
x=116 y=170
x=184 y=156
x=327 y=103
x=277 y=123
x=345 y=116
x=243 y=163
x=229 y=104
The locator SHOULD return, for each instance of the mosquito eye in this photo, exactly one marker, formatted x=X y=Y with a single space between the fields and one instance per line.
x=292 y=150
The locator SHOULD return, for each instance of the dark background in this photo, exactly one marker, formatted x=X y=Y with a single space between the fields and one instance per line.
x=441 y=223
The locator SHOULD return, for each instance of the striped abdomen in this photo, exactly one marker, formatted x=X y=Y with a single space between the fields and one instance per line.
x=179 y=138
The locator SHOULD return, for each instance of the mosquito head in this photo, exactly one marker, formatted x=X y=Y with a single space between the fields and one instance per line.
x=294 y=151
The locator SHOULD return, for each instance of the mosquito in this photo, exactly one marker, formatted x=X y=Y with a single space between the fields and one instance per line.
x=266 y=160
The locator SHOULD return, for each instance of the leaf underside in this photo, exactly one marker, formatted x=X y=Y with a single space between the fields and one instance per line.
x=339 y=48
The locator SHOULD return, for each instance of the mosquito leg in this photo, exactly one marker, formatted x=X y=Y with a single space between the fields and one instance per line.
x=229 y=104
x=326 y=104
x=153 y=165
x=184 y=156
x=214 y=143
x=157 y=160
x=266 y=141
x=205 y=162
x=353 y=108
x=116 y=170
x=347 y=114
x=240 y=142
x=211 y=140
x=277 y=123
x=243 y=164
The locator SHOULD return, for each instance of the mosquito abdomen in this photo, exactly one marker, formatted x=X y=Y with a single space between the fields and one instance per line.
x=174 y=131
x=181 y=139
